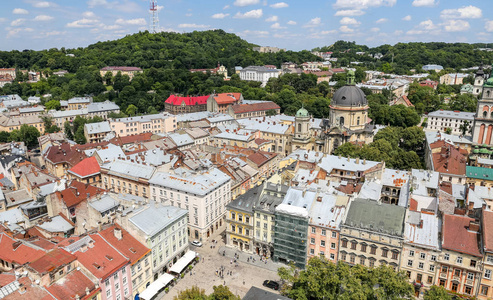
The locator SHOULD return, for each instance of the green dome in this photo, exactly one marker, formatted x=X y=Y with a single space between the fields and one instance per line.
x=302 y=112
x=475 y=151
x=484 y=151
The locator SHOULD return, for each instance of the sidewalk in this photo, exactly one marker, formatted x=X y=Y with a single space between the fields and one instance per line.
x=243 y=258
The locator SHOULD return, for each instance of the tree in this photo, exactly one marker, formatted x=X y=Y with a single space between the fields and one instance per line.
x=193 y=293
x=448 y=130
x=28 y=134
x=465 y=128
x=131 y=110
x=271 y=112
x=68 y=130
x=464 y=102
x=52 y=104
x=437 y=293
x=4 y=136
x=79 y=136
x=222 y=292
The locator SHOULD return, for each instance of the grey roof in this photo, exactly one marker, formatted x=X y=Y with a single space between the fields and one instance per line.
x=259 y=69
x=25 y=110
x=327 y=212
x=246 y=201
x=181 y=139
x=17 y=197
x=349 y=96
x=79 y=100
x=434 y=135
x=102 y=106
x=56 y=224
x=331 y=162
x=104 y=204
x=145 y=118
x=109 y=154
x=11 y=218
x=152 y=219
x=264 y=126
x=63 y=103
x=461 y=115
x=255 y=293
x=100 y=127
x=199 y=184
x=68 y=113
x=129 y=169
x=377 y=217
x=297 y=202
x=193 y=116
x=425 y=234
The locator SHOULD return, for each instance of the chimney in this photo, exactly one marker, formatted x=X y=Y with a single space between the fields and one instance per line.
x=88 y=291
x=90 y=244
x=16 y=245
x=77 y=297
x=474 y=226
x=118 y=233
x=357 y=160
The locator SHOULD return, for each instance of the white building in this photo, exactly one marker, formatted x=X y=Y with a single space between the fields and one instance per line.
x=204 y=195
x=443 y=119
x=259 y=73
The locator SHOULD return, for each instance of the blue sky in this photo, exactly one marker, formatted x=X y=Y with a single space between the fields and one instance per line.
x=291 y=24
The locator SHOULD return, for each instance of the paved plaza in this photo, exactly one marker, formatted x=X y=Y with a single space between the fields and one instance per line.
x=245 y=275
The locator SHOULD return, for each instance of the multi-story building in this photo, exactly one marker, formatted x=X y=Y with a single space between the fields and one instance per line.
x=442 y=119
x=453 y=78
x=240 y=220
x=372 y=234
x=253 y=110
x=259 y=73
x=129 y=71
x=59 y=159
x=268 y=49
x=203 y=195
x=326 y=216
x=280 y=134
x=102 y=109
x=180 y=105
x=158 y=123
x=96 y=132
x=163 y=229
x=459 y=264
x=486 y=288
x=123 y=176
x=291 y=229
x=221 y=102
x=265 y=219
x=77 y=103
x=9 y=123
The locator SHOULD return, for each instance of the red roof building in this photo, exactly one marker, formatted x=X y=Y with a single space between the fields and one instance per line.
x=51 y=261
x=14 y=253
x=61 y=158
x=460 y=234
x=260 y=109
x=179 y=105
x=125 y=243
x=74 y=284
x=449 y=162
x=88 y=171
x=221 y=102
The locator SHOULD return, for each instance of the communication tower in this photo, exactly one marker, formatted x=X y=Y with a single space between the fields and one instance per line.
x=154 y=23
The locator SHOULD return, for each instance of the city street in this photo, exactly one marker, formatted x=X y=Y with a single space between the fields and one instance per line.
x=245 y=275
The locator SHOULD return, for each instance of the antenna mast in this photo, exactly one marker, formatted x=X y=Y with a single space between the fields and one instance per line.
x=154 y=17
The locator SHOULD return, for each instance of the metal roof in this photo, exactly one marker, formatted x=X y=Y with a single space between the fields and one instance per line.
x=152 y=219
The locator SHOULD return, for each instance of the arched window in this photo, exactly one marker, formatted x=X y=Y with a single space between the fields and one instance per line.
x=488 y=94
x=299 y=127
x=357 y=121
x=341 y=121
x=485 y=114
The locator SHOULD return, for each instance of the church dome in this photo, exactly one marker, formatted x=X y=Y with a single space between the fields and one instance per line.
x=349 y=96
x=302 y=112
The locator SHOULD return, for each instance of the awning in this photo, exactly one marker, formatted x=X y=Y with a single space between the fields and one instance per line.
x=154 y=287
x=183 y=262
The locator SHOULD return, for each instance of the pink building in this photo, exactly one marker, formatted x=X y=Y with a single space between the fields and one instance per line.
x=158 y=123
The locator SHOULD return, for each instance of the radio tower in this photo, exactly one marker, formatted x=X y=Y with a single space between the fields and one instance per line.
x=154 y=17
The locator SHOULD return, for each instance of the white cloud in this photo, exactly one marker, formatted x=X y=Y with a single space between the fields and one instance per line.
x=44 y=4
x=456 y=25
x=424 y=27
x=315 y=22
x=349 y=13
x=3 y=20
x=346 y=29
x=188 y=15
x=466 y=12
x=279 y=5
x=256 y=33
x=428 y=3
x=17 y=22
x=349 y=21
x=328 y=32
x=219 y=16
x=488 y=26
x=359 y=4
x=253 y=14
x=83 y=23
x=197 y=26
x=375 y=29
x=382 y=20
x=43 y=18
x=92 y=3
x=20 y=11
x=226 y=6
x=139 y=21
x=291 y=22
x=15 y=31
x=111 y=27
x=407 y=18
x=272 y=19
x=88 y=14
x=245 y=2
x=276 y=26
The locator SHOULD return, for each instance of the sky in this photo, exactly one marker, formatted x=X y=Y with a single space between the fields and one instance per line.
x=290 y=24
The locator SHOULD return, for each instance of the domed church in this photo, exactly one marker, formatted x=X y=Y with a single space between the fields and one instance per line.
x=348 y=121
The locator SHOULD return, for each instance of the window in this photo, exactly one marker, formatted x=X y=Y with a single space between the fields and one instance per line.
x=334 y=234
x=385 y=252
x=409 y=263
x=343 y=256
x=332 y=256
x=363 y=248
x=468 y=290
x=353 y=245
x=312 y=241
x=489 y=258
x=487 y=274
x=419 y=277
x=344 y=244
x=323 y=232
x=432 y=268
x=117 y=286
x=473 y=263
x=446 y=256
x=373 y=250
x=470 y=276
x=313 y=229
x=421 y=265
x=422 y=255
x=352 y=259
x=362 y=261
x=372 y=263
x=395 y=254
x=459 y=259
x=312 y=251
x=107 y=282
x=444 y=269
x=322 y=243
x=411 y=253
x=484 y=290
x=429 y=280
x=457 y=272
x=433 y=258
x=108 y=293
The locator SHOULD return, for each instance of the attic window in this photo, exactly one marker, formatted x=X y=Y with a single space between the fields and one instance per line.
x=109 y=257
x=96 y=266
x=133 y=250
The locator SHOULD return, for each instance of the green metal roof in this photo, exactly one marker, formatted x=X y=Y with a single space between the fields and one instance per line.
x=484 y=151
x=479 y=173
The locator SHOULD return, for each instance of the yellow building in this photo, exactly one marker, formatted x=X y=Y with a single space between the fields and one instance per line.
x=239 y=221
x=129 y=71
x=10 y=123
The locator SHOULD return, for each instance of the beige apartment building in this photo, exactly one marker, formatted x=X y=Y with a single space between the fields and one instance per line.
x=123 y=176
x=129 y=71
x=157 y=123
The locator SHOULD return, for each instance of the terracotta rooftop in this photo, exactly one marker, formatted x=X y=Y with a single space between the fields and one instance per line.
x=458 y=237
x=488 y=230
x=227 y=98
x=65 y=153
x=77 y=192
x=449 y=161
x=74 y=283
x=87 y=167
x=17 y=252
x=52 y=261
x=127 y=245
x=244 y=108
x=130 y=139
x=197 y=100
x=261 y=157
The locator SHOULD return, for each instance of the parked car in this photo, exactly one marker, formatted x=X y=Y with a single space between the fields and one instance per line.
x=271 y=284
x=197 y=243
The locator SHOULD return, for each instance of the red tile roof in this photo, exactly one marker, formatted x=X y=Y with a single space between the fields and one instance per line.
x=77 y=192
x=227 y=98
x=102 y=259
x=449 y=161
x=6 y=278
x=65 y=153
x=127 y=245
x=74 y=283
x=488 y=230
x=261 y=157
x=197 y=100
x=33 y=291
x=130 y=139
x=457 y=236
x=244 y=108
x=52 y=261
x=87 y=167
x=17 y=252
